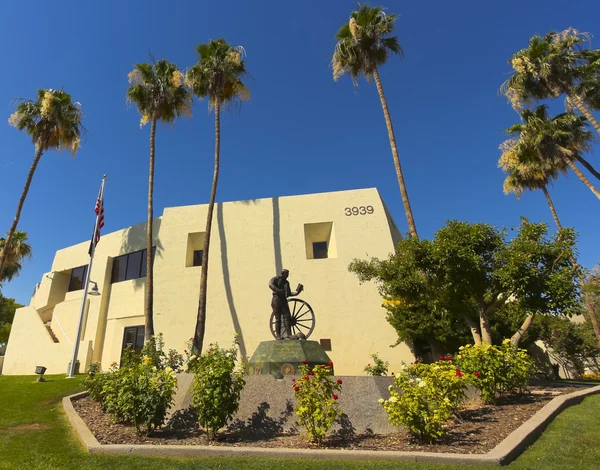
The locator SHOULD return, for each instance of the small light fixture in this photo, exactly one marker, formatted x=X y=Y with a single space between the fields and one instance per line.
x=40 y=370
x=94 y=290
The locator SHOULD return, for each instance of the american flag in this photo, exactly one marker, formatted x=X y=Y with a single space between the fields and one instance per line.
x=99 y=210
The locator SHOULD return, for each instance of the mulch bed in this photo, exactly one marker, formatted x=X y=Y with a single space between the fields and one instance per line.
x=478 y=429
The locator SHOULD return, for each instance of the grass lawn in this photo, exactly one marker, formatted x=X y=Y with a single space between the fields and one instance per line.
x=35 y=434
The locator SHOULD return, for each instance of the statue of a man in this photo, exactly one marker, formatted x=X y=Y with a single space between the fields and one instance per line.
x=281 y=291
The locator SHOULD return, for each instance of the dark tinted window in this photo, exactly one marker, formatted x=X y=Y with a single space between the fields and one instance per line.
x=77 y=278
x=197 y=258
x=118 y=269
x=320 y=250
x=130 y=266
x=134 y=264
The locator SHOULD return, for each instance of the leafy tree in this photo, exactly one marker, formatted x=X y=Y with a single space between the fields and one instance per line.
x=363 y=45
x=468 y=272
x=553 y=65
x=53 y=122
x=19 y=250
x=216 y=76
x=8 y=307
x=159 y=94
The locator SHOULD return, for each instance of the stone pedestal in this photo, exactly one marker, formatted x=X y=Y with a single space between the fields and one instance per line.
x=284 y=356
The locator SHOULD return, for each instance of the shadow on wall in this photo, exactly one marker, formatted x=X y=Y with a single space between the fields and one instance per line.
x=227 y=281
x=277 y=236
x=134 y=239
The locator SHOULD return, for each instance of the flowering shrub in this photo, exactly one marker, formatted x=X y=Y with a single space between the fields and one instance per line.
x=154 y=349
x=217 y=387
x=316 y=394
x=590 y=376
x=424 y=396
x=379 y=367
x=495 y=370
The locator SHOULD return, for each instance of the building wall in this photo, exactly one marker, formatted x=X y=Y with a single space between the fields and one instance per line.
x=251 y=241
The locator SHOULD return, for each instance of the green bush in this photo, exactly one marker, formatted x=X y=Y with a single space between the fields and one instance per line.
x=424 y=396
x=495 y=370
x=379 y=367
x=316 y=394
x=138 y=392
x=217 y=387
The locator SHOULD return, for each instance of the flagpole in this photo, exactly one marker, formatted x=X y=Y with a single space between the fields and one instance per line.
x=85 y=286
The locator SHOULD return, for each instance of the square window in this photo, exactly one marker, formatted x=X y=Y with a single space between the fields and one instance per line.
x=197 y=258
x=320 y=250
x=77 y=278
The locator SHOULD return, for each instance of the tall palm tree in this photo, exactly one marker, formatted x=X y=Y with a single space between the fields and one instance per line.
x=558 y=142
x=18 y=251
x=363 y=45
x=53 y=122
x=159 y=93
x=553 y=65
x=525 y=173
x=217 y=76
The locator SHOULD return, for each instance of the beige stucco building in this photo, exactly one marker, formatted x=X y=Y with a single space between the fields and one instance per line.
x=315 y=236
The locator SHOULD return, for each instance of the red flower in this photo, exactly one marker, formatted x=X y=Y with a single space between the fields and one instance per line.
x=416 y=361
x=306 y=377
x=458 y=373
x=339 y=381
x=368 y=364
x=293 y=379
x=185 y=351
x=442 y=358
x=304 y=361
x=322 y=367
x=448 y=358
x=476 y=374
x=335 y=397
x=330 y=364
x=297 y=389
x=311 y=373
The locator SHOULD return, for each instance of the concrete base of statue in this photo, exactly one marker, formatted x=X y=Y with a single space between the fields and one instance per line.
x=285 y=356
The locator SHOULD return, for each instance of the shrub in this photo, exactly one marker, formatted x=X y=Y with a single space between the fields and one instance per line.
x=154 y=349
x=217 y=387
x=379 y=367
x=316 y=394
x=138 y=392
x=590 y=376
x=495 y=370
x=424 y=397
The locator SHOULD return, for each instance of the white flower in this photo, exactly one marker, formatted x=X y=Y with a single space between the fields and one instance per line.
x=422 y=383
x=381 y=400
x=168 y=370
x=393 y=399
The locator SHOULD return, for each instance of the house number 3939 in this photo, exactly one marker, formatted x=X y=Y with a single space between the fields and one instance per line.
x=361 y=210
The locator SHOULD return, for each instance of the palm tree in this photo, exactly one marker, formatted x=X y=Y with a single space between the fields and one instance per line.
x=18 y=251
x=159 y=94
x=363 y=45
x=553 y=143
x=523 y=172
x=216 y=76
x=553 y=65
x=53 y=122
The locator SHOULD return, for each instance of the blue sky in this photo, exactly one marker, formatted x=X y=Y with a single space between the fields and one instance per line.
x=301 y=132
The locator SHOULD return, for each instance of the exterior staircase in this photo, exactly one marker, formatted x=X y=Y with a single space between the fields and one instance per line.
x=50 y=332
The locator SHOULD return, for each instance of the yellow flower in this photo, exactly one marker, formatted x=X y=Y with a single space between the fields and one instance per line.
x=15 y=119
x=506 y=341
x=147 y=360
x=177 y=79
x=46 y=104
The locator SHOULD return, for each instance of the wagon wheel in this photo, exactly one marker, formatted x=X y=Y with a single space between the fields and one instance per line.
x=303 y=318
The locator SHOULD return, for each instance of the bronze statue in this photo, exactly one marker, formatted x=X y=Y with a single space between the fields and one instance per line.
x=281 y=291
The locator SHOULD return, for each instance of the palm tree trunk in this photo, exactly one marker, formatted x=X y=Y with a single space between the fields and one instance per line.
x=201 y=319
x=388 y=121
x=13 y=227
x=588 y=167
x=577 y=101
x=581 y=176
x=552 y=208
x=522 y=330
x=588 y=302
x=149 y=317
